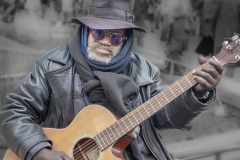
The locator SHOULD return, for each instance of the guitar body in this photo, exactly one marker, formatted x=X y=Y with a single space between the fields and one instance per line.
x=88 y=123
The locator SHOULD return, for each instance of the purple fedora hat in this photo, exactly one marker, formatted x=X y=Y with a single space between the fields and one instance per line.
x=109 y=14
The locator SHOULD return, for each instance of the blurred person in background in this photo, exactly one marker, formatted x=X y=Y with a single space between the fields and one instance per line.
x=166 y=18
x=33 y=5
x=156 y=8
x=228 y=23
x=198 y=7
x=9 y=6
x=57 y=8
x=140 y=13
x=67 y=9
x=181 y=28
x=44 y=6
x=18 y=5
x=77 y=8
x=210 y=12
x=150 y=11
x=86 y=5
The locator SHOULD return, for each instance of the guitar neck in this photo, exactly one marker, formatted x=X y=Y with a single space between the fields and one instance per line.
x=146 y=110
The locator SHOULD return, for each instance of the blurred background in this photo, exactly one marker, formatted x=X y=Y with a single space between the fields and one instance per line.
x=179 y=31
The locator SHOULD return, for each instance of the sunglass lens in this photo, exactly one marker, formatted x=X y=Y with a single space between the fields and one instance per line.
x=116 y=39
x=97 y=34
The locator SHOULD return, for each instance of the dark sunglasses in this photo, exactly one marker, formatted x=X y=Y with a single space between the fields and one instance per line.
x=115 y=38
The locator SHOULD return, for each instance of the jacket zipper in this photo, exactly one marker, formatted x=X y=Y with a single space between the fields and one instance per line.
x=147 y=144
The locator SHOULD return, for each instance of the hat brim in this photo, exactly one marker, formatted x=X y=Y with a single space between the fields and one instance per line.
x=103 y=23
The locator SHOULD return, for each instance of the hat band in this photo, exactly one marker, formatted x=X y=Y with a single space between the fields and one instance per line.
x=110 y=13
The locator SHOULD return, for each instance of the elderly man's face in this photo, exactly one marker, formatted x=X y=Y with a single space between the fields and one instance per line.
x=103 y=51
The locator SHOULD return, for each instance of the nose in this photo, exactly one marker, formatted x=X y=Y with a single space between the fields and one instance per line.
x=106 y=40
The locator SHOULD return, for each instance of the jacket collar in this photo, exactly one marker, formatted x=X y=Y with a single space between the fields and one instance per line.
x=60 y=55
x=143 y=77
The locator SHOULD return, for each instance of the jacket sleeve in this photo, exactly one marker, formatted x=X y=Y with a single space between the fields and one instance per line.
x=23 y=112
x=181 y=112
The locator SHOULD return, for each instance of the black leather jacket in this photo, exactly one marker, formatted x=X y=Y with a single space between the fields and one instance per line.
x=44 y=99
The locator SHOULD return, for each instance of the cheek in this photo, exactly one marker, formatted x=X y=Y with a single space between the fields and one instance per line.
x=90 y=39
x=120 y=47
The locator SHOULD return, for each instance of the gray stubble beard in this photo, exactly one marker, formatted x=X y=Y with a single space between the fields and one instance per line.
x=92 y=54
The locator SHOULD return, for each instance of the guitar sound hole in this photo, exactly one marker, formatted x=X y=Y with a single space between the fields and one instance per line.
x=86 y=149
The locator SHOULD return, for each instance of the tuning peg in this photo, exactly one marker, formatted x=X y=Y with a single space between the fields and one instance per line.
x=235 y=37
x=225 y=43
x=237 y=57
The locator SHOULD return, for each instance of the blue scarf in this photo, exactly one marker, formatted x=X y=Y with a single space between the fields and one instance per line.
x=117 y=64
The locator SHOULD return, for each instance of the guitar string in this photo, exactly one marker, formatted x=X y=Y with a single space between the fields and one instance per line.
x=83 y=149
x=78 y=157
x=154 y=104
x=139 y=110
x=191 y=84
x=186 y=83
x=137 y=117
x=234 y=46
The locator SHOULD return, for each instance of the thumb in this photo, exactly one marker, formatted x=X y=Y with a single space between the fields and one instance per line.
x=65 y=157
x=202 y=60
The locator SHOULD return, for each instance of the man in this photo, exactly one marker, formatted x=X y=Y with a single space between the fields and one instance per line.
x=98 y=67
x=9 y=6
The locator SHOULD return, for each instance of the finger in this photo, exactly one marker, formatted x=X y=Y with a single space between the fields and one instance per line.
x=217 y=66
x=202 y=60
x=64 y=157
x=204 y=84
x=212 y=71
x=205 y=76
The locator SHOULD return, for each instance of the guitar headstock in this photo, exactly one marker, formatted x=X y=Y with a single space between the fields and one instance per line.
x=230 y=52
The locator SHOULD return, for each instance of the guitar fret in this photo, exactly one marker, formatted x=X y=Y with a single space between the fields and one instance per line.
x=109 y=134
x=100 y=137
x=135 y=117
x=152 y=106
x=112 y=132
x=188 y=81
x=172 y=91
x=130 y=121
x=105 y=137
x=180 y=86
x=120 y=126
x=158 y=101
x=146 y=110
x=125 y=125
x=140 y=113
x=117 y=130
x=98 y=140
x=165 y=96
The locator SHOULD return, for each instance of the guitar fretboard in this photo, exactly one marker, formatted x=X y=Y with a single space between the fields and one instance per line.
x=145 y=111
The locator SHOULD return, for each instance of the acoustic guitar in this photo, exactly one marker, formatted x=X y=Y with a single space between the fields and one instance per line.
x=97 y=134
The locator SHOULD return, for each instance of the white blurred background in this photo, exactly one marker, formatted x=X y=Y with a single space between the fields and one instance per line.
x=179 y=31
